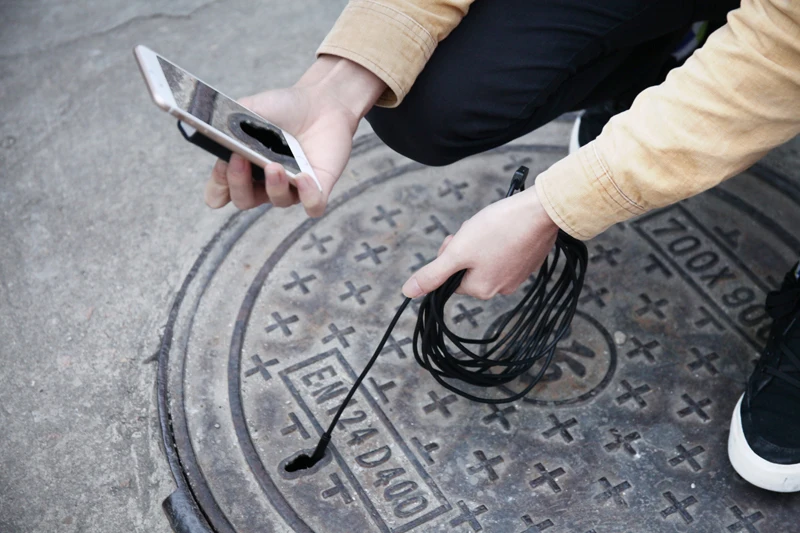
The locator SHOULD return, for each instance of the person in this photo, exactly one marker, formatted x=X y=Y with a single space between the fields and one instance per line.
x=440 y=80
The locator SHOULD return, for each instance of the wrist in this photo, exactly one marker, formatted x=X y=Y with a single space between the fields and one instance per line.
x=541 y=218
x=355 y=87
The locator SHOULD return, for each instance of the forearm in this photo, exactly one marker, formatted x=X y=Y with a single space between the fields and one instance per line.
x=734 y=100
x=393 y=39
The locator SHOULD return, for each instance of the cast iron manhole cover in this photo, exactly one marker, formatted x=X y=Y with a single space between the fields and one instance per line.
x=627 y=433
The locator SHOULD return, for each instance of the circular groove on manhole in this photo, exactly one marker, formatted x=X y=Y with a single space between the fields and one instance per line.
x=279 y=313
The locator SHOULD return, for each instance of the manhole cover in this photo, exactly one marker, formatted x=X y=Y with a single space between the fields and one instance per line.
x=627 y=432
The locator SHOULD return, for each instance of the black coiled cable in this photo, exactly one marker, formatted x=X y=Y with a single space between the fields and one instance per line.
x=526 y=335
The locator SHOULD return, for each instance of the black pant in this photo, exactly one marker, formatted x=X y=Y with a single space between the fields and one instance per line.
x=511 y=66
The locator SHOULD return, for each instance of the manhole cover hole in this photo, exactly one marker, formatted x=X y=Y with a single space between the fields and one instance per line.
x=627 y=432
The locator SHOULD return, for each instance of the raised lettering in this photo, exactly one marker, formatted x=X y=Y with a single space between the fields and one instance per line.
x=702 y=261
x=674 y=226
x=386 y=476
x=375 y=457
x=410 y=506
x=361 y=435
x=331 y=391
x=399 y=489
x=320 y=375
x=684 y=245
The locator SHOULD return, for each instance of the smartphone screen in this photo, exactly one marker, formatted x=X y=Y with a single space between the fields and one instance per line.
x=206 y=104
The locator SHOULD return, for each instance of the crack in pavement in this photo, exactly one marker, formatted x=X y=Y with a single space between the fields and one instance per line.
x=107 y=31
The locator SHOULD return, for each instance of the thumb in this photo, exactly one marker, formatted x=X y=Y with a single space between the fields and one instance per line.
x=431 y=276
x=443 y=247
x=280 y=107
x=312 y=196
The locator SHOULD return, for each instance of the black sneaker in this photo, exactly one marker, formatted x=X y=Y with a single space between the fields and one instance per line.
x=591 y=122
x=764 y=441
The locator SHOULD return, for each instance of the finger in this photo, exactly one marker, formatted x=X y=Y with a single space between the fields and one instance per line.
x=217 y=193
x=460 y=289
x=253 y=193
x=313 y=199
x=472 y=286
x=510 y=287
x=240 y=182
x=443 y=247
x=281 y=193
x=431 y=276
x=260 y=195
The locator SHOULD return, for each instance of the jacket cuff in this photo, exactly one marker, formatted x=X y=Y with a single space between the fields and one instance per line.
x=390 y=44
x=580 y=195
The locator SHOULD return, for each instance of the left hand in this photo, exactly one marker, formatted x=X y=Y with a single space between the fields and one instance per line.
x=500 y=246
x=322 y=110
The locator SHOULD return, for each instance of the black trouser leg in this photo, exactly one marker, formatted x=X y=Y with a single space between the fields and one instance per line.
x=514 y=65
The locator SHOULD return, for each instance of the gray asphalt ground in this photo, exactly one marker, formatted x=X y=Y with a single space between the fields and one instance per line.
x=102 y=215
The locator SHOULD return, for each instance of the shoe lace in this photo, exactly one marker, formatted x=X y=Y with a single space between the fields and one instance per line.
x=785 y=305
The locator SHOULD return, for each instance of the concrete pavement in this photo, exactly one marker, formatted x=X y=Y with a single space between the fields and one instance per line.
x=102 y=215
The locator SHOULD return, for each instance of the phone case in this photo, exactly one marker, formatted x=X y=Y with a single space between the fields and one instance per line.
x=214 y=148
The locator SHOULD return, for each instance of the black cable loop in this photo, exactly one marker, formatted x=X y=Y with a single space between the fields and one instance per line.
x=537 y=323
x=540 y=321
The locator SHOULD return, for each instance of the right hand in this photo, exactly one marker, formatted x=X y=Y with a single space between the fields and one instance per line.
x=499 y=247
x=322 y=110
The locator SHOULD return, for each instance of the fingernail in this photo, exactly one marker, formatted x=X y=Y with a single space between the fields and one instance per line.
x=213 y=194
x=412 y=289
x=215 y=202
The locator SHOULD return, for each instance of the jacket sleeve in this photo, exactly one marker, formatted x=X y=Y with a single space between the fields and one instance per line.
x=393 y=38
x=728 y=105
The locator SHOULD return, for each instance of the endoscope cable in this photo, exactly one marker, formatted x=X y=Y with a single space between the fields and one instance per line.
x=534 y=328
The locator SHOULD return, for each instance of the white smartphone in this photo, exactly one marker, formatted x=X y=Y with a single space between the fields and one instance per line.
x=218 y=117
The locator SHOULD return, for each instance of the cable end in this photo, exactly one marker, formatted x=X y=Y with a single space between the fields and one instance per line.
x=518 y=180
x=322 y=445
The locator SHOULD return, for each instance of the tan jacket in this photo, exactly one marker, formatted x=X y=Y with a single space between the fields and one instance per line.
x=733 y=100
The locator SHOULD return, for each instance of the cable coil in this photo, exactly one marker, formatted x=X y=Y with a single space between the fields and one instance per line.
x=526 y=335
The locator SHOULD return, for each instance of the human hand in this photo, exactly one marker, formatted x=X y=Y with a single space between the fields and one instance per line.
x=499 y=247
x=322 y=110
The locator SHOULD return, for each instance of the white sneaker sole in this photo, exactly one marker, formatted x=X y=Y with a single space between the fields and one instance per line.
x=574 y=145
x=752 y=467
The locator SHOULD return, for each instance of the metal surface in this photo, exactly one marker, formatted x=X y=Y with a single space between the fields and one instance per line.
x=628 y=432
